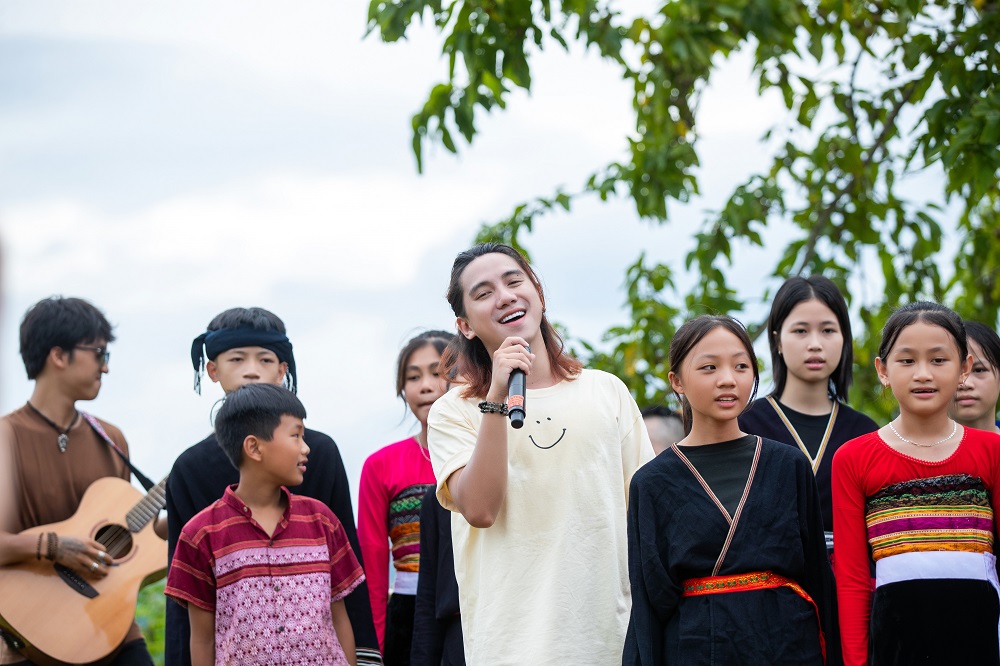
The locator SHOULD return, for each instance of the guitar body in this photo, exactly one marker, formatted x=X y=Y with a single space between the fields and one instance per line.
x=59 y=623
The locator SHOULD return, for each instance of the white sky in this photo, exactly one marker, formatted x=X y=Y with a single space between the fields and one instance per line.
x=169 y=160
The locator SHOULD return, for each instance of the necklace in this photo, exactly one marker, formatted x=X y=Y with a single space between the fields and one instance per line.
x=63 y=439
x=925 y=446
x=423 y=450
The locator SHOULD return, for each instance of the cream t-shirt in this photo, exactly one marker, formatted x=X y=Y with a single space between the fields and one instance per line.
x=548 y=582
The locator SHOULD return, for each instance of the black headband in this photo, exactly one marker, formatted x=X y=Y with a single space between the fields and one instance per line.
x=210 y=344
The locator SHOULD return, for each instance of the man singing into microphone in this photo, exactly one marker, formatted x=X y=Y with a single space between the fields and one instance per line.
x=540 y=547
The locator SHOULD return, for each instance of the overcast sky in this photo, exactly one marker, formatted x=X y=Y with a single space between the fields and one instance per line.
x=169 y=160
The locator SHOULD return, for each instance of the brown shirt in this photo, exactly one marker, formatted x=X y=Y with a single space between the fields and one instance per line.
x=51 y=484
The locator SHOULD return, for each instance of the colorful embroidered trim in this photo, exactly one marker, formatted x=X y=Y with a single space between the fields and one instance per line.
x=757 y=580
x=404 y=527
x=943 y=513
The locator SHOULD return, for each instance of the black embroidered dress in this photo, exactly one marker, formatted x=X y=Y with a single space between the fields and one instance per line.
x=678 y=529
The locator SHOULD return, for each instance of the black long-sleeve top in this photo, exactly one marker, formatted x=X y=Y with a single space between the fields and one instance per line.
x=761 y=419
x=437 y=623
x=677 y=530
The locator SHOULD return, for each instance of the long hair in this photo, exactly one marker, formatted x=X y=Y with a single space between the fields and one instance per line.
x=437 y=339
x=469 y=359
x=690 y=334
x=797 y=290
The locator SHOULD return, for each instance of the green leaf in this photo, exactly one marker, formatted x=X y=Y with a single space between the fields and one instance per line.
x=917 y=103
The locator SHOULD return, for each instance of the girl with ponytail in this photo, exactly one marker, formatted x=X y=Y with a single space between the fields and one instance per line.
x=726 y=550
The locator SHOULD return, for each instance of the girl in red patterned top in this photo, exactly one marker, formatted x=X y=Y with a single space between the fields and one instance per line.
x=920 y=498
x=394 y=480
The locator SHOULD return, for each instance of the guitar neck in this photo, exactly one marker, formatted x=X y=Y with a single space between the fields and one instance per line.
x=148 y=507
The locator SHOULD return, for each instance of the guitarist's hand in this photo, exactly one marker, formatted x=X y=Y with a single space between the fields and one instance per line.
x=81 y=556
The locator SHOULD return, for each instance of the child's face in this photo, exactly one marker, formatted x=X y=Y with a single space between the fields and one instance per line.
x=811 y=342
x=923 y=369
x=977 y=397
x=238 y=367
x=716 y=377
x=286 y=454
x=422 y=384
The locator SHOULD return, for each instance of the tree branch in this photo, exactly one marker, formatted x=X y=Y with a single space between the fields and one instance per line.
x=848 y=187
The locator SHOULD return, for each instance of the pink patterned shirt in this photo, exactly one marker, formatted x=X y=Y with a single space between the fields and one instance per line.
x=271 y=595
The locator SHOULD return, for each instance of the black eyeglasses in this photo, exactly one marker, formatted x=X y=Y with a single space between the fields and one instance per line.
x=103 y=355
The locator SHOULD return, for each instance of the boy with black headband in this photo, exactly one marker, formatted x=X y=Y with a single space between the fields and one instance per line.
x=244 y=346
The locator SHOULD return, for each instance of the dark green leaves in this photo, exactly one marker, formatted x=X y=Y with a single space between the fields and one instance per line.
x=879 y=95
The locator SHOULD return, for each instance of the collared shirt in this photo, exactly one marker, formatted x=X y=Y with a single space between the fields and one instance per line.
x=270 y=594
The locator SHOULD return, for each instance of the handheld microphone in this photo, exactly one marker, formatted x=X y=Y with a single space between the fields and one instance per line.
x=515 y=397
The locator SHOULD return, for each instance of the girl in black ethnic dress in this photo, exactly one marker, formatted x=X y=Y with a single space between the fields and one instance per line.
x=727 y=559
x=809 y=333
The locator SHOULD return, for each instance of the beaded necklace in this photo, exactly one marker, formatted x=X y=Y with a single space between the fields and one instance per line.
x=924 y=446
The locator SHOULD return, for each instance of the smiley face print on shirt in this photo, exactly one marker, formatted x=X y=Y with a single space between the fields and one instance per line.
x=546 y=433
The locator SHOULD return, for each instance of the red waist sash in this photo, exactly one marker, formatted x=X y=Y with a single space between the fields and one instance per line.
x=757 y=580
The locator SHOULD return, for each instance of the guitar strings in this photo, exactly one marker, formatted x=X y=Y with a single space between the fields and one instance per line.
x=117 y=540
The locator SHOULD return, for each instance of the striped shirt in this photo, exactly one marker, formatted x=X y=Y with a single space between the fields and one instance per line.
x=271 y=595
x=394 y=480
x=942 y=513
x=914 y=517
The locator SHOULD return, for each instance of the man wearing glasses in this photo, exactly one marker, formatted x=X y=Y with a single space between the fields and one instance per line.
x=50 y=453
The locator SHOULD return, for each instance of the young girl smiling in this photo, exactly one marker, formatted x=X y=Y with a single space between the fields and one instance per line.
x=919 y=496
x=727 y=558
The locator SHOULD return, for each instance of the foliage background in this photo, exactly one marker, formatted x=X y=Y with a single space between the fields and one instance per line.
x=151 y=615
x=878 y=95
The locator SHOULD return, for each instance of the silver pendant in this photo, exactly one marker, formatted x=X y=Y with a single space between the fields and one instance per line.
x=63 y=442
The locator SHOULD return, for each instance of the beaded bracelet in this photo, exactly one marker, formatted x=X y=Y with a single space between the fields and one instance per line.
x=53 y=547
x=487 y=407
x=38 y=546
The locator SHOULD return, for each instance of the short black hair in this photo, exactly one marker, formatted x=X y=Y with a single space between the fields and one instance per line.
x=254 y=409
x=59 y=322
x=257 y=319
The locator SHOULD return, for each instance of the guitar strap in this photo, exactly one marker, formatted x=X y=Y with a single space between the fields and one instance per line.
x=99 y=429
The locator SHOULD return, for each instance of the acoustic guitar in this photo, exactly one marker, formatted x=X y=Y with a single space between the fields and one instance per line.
x=56 y=616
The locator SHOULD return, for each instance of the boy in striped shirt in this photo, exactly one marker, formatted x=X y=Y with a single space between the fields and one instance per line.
x=263 y=573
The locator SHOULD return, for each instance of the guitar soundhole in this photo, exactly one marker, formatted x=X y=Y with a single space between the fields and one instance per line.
x=116 y=539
